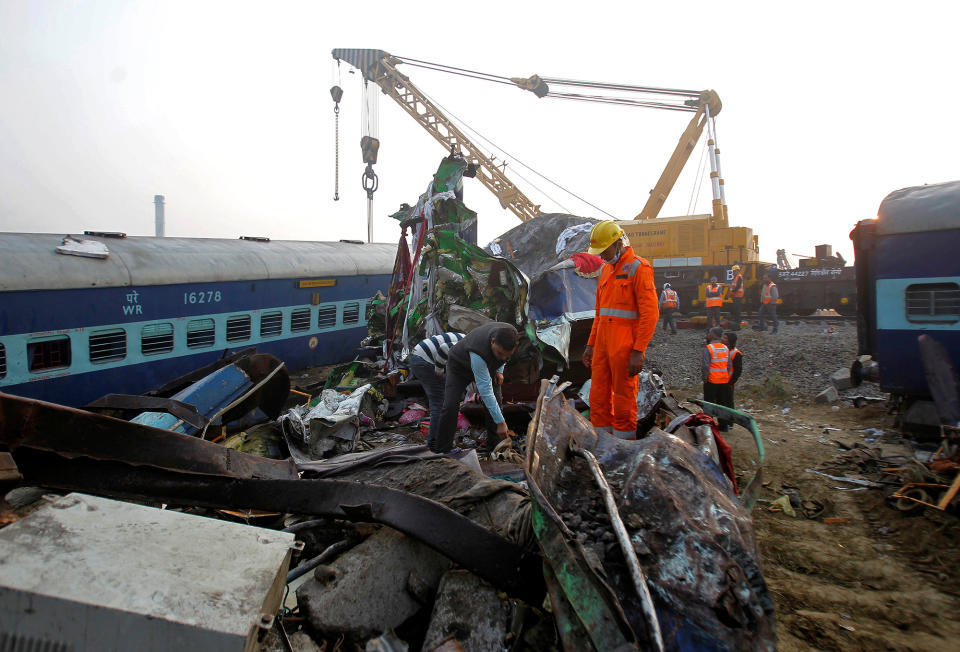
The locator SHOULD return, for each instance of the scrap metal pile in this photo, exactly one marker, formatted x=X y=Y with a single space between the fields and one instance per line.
x=563 y=538
x=400 y=544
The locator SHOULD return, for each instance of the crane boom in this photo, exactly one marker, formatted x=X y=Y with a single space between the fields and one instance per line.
x=379 y=67
x=688 y=141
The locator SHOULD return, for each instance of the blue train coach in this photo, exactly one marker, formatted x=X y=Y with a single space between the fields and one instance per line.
x=75 y=327
x=908 y=282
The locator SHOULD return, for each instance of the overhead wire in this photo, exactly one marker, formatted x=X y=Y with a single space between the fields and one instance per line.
x=682 y=106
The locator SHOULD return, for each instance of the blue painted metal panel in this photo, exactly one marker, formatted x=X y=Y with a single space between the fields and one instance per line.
x=50 y=310
x=209 y=395
x=912 y=255
x=892 y=306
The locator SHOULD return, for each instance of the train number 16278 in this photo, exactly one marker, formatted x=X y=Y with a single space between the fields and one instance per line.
x=209 y=296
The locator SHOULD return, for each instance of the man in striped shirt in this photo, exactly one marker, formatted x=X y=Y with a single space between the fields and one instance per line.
x=428 y=362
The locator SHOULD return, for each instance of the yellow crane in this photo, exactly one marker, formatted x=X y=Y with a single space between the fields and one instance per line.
x=380 y=67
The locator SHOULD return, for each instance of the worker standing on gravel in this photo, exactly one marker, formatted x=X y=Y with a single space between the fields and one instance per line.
x=715 y=367
x=714 y=301
x=736 y=368
x=428 y=363
x=479 y=357
x=769 y=295
x=669 y=300
x=736 y=295
x=626 y=318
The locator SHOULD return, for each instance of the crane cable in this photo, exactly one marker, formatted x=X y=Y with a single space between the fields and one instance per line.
x=697 y=182
x=517 y=160
x=654 y=90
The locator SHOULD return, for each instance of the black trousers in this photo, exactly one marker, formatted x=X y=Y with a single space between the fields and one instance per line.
x=667 y=314
x=737 y=307
x=713 y=316
x=768 y=310
x=721 y=394
x=433 y=386
x=457 y=379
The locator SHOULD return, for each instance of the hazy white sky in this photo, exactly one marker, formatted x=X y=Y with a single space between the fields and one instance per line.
x=224 y=108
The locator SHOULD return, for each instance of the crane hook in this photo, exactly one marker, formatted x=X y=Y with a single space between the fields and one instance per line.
x=369 y=181
x=336 y=93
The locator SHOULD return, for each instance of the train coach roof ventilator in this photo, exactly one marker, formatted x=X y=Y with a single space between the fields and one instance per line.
x=72 y=246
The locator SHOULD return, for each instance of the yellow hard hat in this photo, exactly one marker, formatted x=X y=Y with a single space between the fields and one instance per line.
x=602 y=235
x=736 y=268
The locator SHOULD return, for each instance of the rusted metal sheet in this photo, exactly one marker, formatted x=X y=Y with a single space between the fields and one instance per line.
x=65 y=448
x=73 y=433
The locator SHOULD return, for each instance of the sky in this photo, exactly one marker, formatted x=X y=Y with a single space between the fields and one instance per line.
x=224 y=108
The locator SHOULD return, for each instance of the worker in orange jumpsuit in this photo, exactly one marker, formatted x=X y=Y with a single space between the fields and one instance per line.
x=625 y=320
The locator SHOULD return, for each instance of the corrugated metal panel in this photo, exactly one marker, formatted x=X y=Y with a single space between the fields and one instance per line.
x=30 y=261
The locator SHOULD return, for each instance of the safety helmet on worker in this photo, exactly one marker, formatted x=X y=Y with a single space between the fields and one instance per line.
x=666 y=286
x=736 y=268
x=602 y=235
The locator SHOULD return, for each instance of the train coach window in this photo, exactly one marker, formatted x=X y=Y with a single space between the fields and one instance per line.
x=108 y=346
x=300 y=319
x=933 y=302
x=200 y=333
x=271 y=323
x=156 y=338
x=327 y=317
x=49 y=354
x=351 y=313
x=3 y=361
x=238 y=328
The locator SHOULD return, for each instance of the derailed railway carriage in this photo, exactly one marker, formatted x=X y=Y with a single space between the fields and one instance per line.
x=75 y=325
x=908 y=283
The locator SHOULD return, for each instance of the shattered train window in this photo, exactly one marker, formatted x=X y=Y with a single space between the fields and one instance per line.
x=49 y=354
x=271 y=323
x=300 y=320
x=927 y=302
x=238 y=328
x=156 y=339
x=200 y=333
x=351 y=313
x=108 y=346
x=327 y=317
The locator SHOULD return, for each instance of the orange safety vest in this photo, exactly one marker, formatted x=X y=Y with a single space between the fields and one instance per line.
x=737 y=293
x=719 y=363
x=715 y=301
x=766 y=293
x=669 y=299
x=733 y=355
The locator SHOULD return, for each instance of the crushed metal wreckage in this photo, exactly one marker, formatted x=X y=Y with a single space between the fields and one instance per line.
x=450 y=535
x=562 y=538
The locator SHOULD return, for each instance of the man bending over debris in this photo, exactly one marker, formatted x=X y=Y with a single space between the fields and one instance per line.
x=428 y=363
x=625 y=320
x=479 y=357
